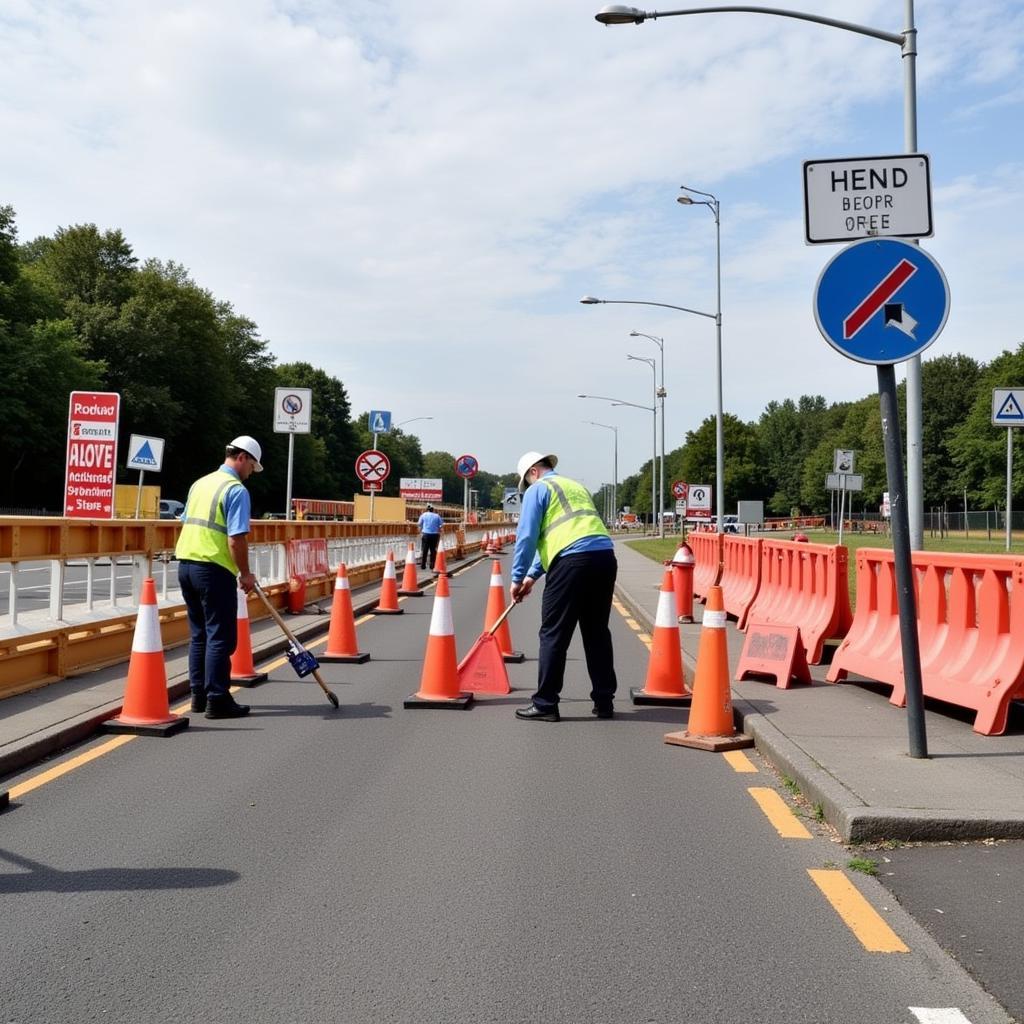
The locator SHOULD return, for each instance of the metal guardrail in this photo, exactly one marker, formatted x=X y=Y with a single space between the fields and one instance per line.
x=65 y=608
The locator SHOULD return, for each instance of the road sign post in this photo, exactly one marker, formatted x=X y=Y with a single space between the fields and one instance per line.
x=1008 y=411
x=466 y=466
x=293 y=414
x=883 y=301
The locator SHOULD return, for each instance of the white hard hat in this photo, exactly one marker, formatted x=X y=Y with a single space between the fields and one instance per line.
x=528 y=461
x=250 y=446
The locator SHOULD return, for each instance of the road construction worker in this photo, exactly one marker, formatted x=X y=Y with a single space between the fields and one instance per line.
x=561 y=534
x=430 y=524
x=213 y=563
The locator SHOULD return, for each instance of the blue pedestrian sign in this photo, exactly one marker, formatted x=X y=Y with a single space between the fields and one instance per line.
x=881 y=301
x=1008 y=407
x=379 y=421
x=146 y=454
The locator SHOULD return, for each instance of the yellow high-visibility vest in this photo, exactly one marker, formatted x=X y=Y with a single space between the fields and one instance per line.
x=569 y=517
x=204 y=533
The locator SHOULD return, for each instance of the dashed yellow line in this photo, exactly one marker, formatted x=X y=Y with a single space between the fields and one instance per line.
x=873 y=933
x=68 y=766
x=739 y=761
x=778 y=812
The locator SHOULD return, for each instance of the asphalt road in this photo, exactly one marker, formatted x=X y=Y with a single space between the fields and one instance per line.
x=384 y=865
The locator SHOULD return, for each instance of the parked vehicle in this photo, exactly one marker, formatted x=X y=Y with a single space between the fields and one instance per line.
x=171 y=509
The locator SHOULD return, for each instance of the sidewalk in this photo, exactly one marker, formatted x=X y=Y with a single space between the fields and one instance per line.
x=41 y=722
x=846 y=746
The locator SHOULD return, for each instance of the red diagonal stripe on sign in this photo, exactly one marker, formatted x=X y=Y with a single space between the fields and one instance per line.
x=889 y=286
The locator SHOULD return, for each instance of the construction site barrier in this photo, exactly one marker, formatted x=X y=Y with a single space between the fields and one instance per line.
x=807 y=586
x=707 y=561
x=970 y=619
x=741 y=575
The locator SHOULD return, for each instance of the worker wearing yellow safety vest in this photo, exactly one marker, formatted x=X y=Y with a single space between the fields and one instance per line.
x=561 y=535
x=213 y=564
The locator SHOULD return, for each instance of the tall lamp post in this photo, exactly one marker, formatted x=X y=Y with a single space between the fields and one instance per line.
x=633 y=405
x=654 y=457
x=620 y=14
x=615 y=465
x=413 y=420
x=660 y=394
x=589 y=300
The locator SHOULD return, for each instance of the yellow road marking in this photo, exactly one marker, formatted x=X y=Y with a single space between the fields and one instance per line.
x=777 y=811
x=739 y=761
x=859 y=916
x=632 y=623
x=645 y=638
x=62 y=769
x=363 y=618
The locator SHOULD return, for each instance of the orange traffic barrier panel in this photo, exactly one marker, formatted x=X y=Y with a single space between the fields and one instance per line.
x=495 y=606
x=710 y=725
x=682 y=578
x=970 y=624
x=243 y=671
x=804 y=585
x=146 y=710
x=410 y=584
x=441 y=565
x=741 y=575
x=666 y=681
x=439 y=682
x=388 y=604
x=341 y=636
x=707 y=558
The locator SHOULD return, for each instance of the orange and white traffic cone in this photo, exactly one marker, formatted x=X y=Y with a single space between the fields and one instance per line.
x=710 y=725
x=341 y=636
x=666 y=681
x=243 y=671
x=441 y=565
x=439 y=683
x=410 y=584
x=495 y=606
x=146 y=710
x=388 y=604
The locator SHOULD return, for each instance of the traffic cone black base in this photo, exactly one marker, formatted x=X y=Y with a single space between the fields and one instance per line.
x=462 y=701
x=637 y=696
x=386 y=611
x=159 y=729
x=514 y=658
x=410 y=593
x=344 y=659
x=716 y=743
x=257 y=677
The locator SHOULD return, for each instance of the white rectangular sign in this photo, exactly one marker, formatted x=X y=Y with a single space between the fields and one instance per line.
x=867 y=197
x=843 y=459
x=1008 y=407
x=145 y=454
x=698 y=502
x=419 y=488
x=844 y=482
x=293 y=410
x=511 y=501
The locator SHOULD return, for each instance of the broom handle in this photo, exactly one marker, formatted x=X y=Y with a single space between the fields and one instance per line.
x=501 y=618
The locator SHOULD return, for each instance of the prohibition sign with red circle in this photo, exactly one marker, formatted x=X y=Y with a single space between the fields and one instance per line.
x=373 y=466
x=467 y=466
x=679 y=489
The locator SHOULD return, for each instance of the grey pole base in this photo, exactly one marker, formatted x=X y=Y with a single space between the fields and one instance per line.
x=717 y=743
x=259 y=677
x=159 y=729
x=639 y=696
x=461 y=702
x=359 y=658
x=386 y=611
x=513 y=657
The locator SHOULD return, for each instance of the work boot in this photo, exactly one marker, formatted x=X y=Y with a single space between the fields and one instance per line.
x=198 y=701
x=223 y=705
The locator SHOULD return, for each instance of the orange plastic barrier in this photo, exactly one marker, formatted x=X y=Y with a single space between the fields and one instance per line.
x=804 y=585
x=741 y=575
x=970 y=619
x=707 y=554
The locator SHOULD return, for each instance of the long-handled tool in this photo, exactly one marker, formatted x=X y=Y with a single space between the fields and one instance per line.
x=301 y=660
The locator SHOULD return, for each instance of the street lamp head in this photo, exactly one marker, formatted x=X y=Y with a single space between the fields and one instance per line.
x=589 y=300
x=619 y=14
x=685 y=200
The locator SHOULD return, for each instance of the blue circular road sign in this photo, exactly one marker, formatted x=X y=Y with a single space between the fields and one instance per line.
x=881 y=301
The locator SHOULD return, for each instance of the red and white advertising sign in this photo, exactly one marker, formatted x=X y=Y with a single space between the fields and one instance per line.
x=373 y=467
x=91 y=466
x=698 y=501
x=417 y=488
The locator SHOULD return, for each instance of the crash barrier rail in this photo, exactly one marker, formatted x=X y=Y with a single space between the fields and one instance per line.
x=707 y=560
x=807 y=586
x=970 y=620
x=69 y=589
x=741 y=575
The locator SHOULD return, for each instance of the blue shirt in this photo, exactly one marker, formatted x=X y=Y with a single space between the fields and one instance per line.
x=525 y=560
x=430 y=522
x=236 y=506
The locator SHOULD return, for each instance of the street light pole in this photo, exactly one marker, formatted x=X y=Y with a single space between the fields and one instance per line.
x=661 y=393
x=620 y=14
x=615 y=466
x=654 y=426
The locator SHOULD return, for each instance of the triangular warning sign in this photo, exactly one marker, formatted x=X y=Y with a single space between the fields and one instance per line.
x=1010 y=409
x=145 y=455
x=378 y=424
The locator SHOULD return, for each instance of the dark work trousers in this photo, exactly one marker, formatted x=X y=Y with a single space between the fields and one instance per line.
x=578 y=589
x=428 y=549
x=211 y=596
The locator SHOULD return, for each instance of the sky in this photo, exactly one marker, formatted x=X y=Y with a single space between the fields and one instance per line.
x=415 y=196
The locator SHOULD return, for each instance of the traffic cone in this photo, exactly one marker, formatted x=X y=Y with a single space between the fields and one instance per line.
x=146 y=710
x=341 y=637
x=243 y=671
x=495 y=606
x=666 y=681
x=410 y=585
x=441 y=565
x=710 y=725
x=388 y=604
x=439 y=683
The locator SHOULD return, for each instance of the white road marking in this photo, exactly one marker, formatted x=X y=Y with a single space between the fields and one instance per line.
x=938 y=1015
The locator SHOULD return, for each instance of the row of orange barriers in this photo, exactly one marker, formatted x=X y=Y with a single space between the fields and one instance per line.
x=970 y=611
